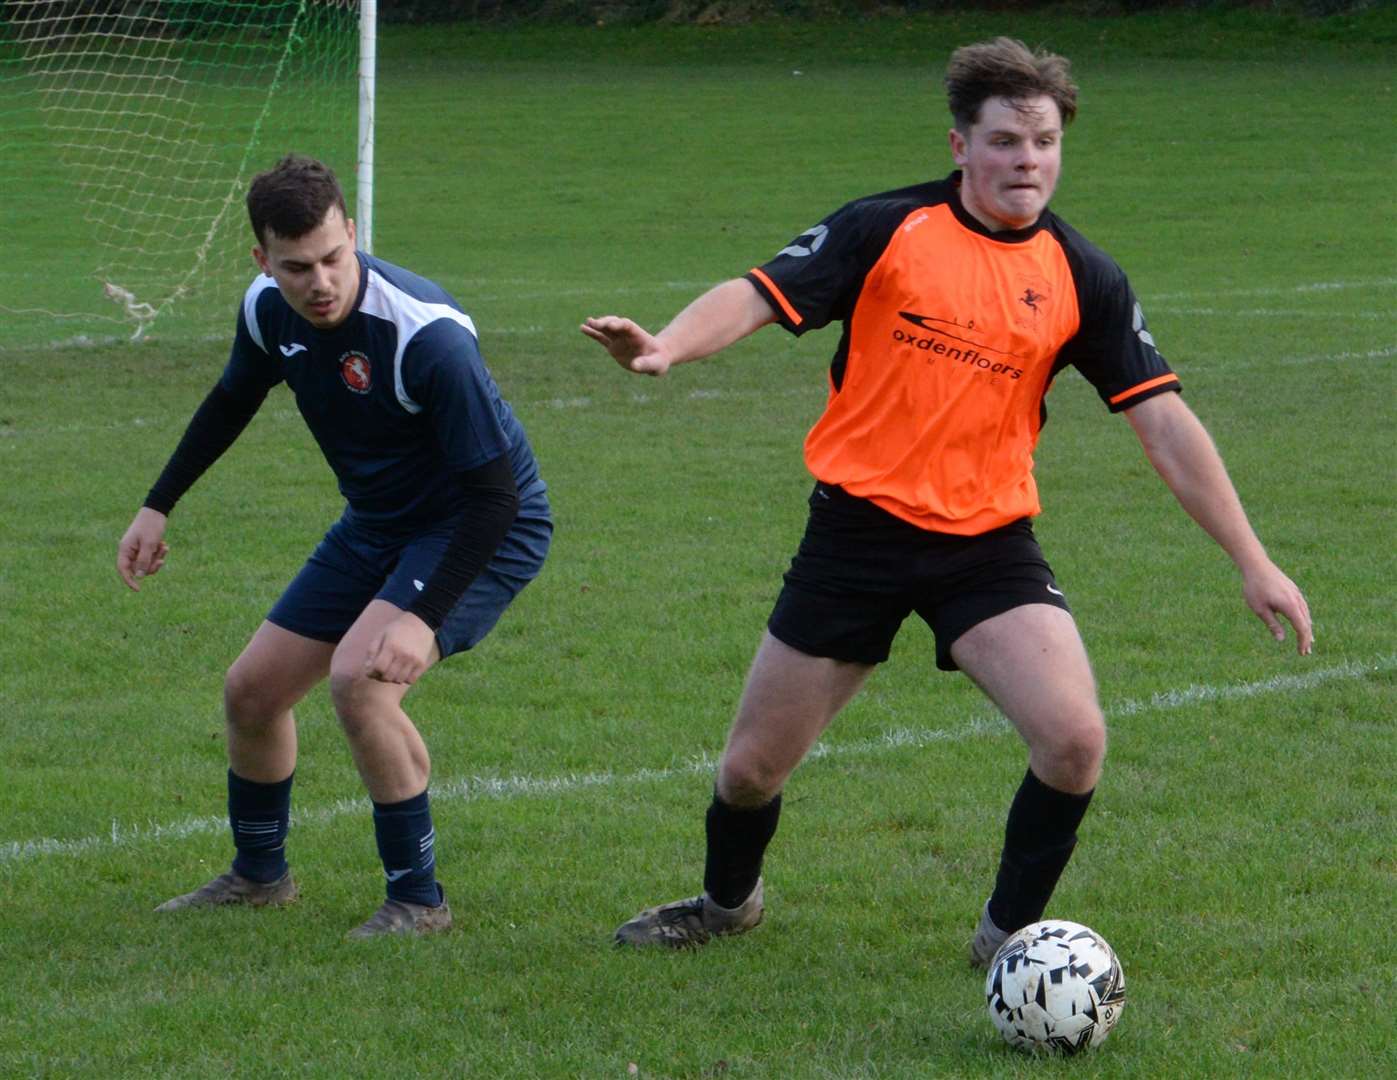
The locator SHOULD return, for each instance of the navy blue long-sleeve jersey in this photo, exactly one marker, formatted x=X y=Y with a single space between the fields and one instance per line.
x=397 y=396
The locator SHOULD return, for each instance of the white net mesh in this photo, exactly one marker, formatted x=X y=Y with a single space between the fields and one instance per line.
x=129 y=130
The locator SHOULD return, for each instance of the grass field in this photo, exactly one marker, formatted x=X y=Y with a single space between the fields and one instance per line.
x=1239 y=855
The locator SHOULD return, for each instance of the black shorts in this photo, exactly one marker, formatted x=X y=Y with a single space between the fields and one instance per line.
x=860 y=572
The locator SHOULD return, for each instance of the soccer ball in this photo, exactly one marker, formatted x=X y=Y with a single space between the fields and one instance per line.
x=1056 y=986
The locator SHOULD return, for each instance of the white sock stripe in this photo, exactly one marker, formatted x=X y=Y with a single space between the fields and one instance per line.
x=477 y=788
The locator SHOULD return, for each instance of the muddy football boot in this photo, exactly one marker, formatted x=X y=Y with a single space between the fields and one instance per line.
x=987 y=940
x=233 y=888
x=686 y=924
x=404 y=917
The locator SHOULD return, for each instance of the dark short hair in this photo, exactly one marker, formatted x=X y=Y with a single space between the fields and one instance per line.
x=1006 y=68
x=292 y=198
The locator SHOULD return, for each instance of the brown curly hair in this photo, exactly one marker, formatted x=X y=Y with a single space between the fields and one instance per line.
x=1006 y=68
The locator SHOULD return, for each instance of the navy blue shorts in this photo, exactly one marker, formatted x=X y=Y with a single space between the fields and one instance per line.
x=861 y=571
x=353 y=565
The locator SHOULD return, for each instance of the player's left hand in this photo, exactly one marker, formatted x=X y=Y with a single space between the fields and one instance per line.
x=402 y=652
x=1270 y=593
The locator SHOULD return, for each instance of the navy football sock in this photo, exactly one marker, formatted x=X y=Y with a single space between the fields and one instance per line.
x=260 y=815
x=737 y=840
x=407 y=846
x=1038 y=840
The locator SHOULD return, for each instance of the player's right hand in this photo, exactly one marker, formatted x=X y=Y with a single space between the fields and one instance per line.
x=632 y=346
x=142 y=549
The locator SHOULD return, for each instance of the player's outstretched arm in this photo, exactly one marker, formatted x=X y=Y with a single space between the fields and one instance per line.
x=1183 y=454
x=142 y=550
x=724 y=314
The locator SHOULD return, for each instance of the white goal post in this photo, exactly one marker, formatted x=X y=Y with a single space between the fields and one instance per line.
x=129 y=130
x=368 y=75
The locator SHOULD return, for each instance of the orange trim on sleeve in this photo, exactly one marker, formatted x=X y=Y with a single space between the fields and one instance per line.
x=791 y=313
x=1150 y=385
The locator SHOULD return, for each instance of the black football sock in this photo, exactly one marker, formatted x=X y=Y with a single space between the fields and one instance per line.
x=1038 y=840
x=260 y=815
x=407 y=846
x=737 y=840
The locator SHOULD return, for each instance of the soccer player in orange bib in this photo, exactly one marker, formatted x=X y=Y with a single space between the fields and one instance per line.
x=960 y=300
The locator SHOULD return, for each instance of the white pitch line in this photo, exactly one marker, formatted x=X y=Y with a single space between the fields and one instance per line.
x=1206 y=364
x=1271 y=313
x=584 y=402
x=814 y=390
x=1370 y=354
x=1277 y=290
x=506 y=788
x=1191 y=695
x=602 y=294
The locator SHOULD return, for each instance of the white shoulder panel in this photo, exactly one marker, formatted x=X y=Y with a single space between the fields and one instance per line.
x=260 y=284
x=385 y=300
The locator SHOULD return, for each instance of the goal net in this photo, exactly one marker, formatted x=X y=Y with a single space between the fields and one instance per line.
x=129 y=130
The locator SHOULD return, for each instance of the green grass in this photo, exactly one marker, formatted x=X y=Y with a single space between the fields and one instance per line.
x=1239 y=852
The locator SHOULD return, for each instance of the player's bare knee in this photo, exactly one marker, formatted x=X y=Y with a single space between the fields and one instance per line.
x=1076 y=752
x=748 y=781
x=352 y=695
x=250 y=701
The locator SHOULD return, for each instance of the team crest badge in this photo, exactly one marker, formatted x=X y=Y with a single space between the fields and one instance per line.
x=1032 y=301
x=356 y=372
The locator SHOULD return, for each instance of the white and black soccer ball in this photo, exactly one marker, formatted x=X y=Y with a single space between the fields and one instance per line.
x=1056 y=986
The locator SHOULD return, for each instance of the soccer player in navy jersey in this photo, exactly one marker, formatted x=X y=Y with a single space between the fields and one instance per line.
x=960 y=300
x=446 y=520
